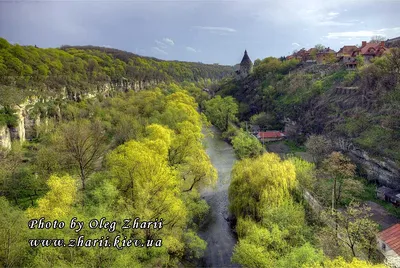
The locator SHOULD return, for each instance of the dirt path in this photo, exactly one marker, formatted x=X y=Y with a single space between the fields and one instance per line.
x=381 y=216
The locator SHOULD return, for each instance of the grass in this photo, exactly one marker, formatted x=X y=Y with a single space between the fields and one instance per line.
x=294 y=147
x=369 y=194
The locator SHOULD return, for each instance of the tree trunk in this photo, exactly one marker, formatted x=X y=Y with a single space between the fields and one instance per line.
x=83 y=177
x=352 y=250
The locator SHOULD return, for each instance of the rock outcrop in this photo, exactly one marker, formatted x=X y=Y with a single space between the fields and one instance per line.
x=383 y=171
x=28 y=123
x=5 y=137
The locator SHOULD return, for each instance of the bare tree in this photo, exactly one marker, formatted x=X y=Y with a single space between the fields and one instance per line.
x=319 y=147
x=84 y=141
x=377 y=39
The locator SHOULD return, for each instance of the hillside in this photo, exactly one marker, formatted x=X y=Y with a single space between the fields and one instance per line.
x=358 y=110
x=75 y=71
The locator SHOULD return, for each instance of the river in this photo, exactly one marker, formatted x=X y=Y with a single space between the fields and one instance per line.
x=216 y=231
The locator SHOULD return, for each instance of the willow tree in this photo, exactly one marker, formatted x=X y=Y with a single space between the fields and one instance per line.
x=259 y=184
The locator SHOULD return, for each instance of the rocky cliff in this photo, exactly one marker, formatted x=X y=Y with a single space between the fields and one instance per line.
x=358 y=109
x=383 y=171
x=29 y=121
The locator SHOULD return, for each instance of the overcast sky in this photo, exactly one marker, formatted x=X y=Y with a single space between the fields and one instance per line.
x=213 y=31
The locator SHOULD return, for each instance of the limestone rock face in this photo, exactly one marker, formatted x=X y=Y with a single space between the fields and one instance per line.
x=384 y=171
x=28 y=122
x=18 y=132
x=5 y=138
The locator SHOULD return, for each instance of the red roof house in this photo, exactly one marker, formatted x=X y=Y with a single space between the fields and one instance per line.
x=370 y=50
x=346 y=51
x=271 y=135
x=389 y=241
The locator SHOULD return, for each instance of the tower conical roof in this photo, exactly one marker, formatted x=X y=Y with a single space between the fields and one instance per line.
x=246 y=59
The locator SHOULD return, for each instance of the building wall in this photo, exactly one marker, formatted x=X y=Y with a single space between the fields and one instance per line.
x=387 y=252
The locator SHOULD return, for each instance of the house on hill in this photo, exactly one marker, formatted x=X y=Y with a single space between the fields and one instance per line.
x=272 y=135
x=344 y=55
x=346 y=51
x=389 y=242
x=303 y=55
x=246 y=66
x=370 y=50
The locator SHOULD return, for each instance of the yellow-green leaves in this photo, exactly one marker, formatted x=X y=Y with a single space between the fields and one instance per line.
x=144 y=178
x=58 y=201
x=221 y=111
x=246 y=145
x=260 y=183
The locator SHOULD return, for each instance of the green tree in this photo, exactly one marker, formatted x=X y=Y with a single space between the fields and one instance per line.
x=246 y=145
x=305 y=173
x=319 y=47
x=303 y=256
x=260 y=184
x=58 y=201
x=264 y=120
x=342 y=171
x=221 y=111
x=13 y=243
x=358 y=231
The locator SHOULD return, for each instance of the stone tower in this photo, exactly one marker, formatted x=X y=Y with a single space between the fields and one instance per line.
x=246 y=66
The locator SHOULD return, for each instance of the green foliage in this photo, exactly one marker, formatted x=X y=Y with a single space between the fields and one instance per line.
x=221 y=111
x=265 y=121
x=303 y=256
x=274 y=65
x=305 y=172
x=8 y=117
x=272 y=229
x=43 y=72
x=154 y=167
x=13 y=247
x=372 y=136
x=57 y=202
x=260 y=183
x=246 y=145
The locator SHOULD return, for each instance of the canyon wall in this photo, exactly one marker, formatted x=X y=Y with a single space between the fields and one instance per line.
x=28 y=123
x=383 y=171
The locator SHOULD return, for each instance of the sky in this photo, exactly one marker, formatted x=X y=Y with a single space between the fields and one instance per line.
x=213 y=31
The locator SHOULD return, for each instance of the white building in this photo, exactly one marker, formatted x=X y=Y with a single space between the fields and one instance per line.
x=389 y=245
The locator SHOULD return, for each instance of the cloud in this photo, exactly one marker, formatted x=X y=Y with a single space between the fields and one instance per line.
x=333 y=14
x=295 y=44
x=216 y=29
x=190 y=49
x=161 y=44
x=334 y=23
x=159 y=50
x=108 y=46
x=169 y=41
x=357 y=34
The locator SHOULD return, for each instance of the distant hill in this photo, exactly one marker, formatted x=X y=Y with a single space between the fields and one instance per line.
x=75 y=69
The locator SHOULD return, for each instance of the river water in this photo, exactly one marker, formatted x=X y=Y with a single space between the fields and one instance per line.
x=216 y=231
